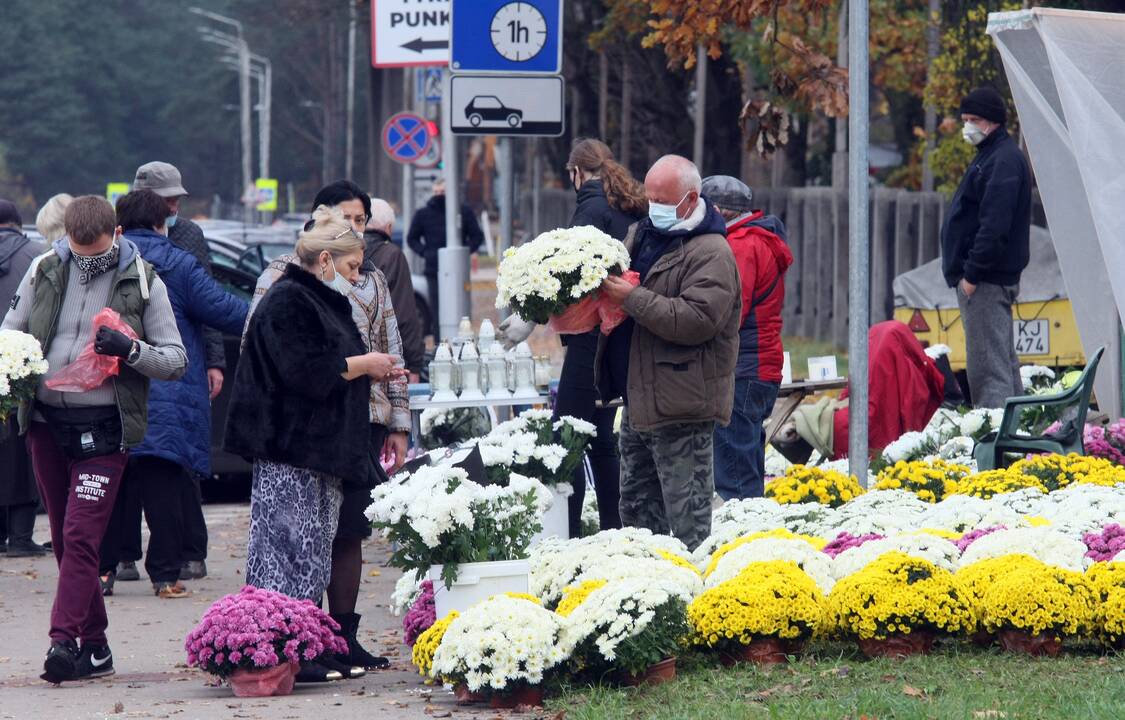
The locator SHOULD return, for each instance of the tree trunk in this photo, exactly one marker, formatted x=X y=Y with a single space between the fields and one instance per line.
x=603 y=95
x=626 y=111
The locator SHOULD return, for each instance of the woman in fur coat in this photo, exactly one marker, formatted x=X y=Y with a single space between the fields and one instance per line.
x=299 y=410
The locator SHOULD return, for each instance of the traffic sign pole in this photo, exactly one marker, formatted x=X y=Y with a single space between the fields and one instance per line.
x=453 y=259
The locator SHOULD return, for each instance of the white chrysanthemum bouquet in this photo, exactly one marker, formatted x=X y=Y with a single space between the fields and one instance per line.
x=21 y=366
x=556 y=278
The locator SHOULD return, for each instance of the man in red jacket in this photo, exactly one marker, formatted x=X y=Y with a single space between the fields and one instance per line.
x=758 y=243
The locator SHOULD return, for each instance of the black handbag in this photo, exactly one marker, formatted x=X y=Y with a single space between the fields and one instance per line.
x=84 y=433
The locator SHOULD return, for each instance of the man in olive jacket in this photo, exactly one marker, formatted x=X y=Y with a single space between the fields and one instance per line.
x=672 y=361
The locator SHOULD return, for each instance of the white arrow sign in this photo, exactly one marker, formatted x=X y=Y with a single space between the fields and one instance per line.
x=406 y=33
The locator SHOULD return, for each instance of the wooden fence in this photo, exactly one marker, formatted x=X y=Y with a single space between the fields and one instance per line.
x=905 y=232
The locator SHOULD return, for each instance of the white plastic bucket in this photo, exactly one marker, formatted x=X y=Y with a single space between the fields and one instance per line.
x=556 y=521
x=476 y=582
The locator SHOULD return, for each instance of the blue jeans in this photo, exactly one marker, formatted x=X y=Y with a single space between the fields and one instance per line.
x=740 y=448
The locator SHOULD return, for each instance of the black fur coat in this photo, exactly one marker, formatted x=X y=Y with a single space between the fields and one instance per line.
x=290 y=403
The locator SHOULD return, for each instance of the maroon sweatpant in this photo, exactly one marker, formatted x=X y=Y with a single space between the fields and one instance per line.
x=79 y=497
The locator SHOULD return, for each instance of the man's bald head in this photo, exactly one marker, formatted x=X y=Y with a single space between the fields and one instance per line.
x=674 y=180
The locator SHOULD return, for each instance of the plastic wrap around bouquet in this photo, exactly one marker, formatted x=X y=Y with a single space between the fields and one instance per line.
x=556 y=278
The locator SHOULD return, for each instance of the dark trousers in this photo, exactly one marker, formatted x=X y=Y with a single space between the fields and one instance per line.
x=17 y=522
x=435 y=316
x=576 y=397
x=991 y=363
x=740 y=447
x=195 y=526
x=122 y=541
x=161 y=485
x=79 y=497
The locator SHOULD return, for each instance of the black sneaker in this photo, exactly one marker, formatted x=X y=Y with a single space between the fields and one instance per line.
x=61 y=662
x=127 y=571
x=193 y=570
x=94 y=661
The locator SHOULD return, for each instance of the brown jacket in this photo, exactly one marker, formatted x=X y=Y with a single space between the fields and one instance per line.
x=685 y=337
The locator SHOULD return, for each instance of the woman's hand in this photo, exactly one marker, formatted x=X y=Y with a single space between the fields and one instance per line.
x=377 y=366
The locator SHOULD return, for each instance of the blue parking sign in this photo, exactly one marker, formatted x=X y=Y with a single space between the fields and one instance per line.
x=506 y=36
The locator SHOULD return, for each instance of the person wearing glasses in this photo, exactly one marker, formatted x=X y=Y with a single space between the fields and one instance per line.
x=389 y=410
x=300 y=409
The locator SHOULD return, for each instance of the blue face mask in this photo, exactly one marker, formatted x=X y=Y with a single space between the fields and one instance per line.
x=663 y=216
x=340 y=284
x=170 y=221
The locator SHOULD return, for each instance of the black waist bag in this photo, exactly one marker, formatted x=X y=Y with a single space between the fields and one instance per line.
x=84 y=433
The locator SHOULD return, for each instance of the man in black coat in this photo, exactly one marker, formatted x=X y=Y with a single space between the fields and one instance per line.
x=427 y=236
x=984 y=247
x=19 y=497
x=383 y=254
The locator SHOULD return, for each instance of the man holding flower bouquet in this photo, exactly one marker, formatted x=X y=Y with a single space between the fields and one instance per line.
x=672 y=361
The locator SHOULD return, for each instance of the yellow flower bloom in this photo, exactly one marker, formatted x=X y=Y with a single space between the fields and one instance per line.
x=573 y=595
x=802 y=484
x=422 y=654
x=930 y=480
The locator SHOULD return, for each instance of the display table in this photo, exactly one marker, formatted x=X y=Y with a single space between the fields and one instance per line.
x=793 y=394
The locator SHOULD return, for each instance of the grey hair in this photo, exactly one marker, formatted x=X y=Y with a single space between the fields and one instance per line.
x=49 y=221
x=382 y=214
x=687 y=174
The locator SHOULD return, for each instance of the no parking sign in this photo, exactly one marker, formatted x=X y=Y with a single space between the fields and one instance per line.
x=406 y=138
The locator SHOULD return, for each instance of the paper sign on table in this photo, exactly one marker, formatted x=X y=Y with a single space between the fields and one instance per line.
x=823 y=368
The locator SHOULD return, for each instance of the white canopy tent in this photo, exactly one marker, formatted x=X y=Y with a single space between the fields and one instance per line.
x=1066 y=69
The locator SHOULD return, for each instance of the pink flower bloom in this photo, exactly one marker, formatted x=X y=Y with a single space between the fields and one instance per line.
x=1105 y=545
x=972 y=536
x=421 y=616
x=846 y=540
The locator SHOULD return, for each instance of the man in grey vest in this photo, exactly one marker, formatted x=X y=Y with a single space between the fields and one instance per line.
x=79 y=441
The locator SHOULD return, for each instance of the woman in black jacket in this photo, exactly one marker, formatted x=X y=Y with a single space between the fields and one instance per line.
x=610 y=200
x=299 y=410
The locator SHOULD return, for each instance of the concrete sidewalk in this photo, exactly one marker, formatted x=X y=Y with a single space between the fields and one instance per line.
x=147 y=635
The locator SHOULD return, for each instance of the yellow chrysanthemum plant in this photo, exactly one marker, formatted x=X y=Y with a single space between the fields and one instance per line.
x=978 y=577
x=995 y=482
x=422 y=654
x=930 y=480
x=801 y=484
x=816 y=543
x=898 y=595
x=1036 y=601
x=573 y=595
x=772 y=600
x=1107 y=581
x=1059 y=471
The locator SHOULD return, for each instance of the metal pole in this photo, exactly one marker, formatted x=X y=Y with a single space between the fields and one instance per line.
x=507 y=195
x=700 y=104
x=267 y=117
x=349 y=132
x=933 y=18
x=453 y=259
x=246 y=132
x=408 y=195
x=859 y=288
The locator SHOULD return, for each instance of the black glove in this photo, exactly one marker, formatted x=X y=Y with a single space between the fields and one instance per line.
x=111 y=342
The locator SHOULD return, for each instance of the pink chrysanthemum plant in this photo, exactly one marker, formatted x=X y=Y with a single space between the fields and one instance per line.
x=257 y=629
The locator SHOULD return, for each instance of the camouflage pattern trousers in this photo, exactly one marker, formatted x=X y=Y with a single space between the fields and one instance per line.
x=668 y=479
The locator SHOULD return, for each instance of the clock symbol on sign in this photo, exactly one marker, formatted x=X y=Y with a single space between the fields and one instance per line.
x=518 y=31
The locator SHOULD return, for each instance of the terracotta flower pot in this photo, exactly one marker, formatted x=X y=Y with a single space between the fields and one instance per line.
x=263 y=682
x=657 y=674
x=768 y=651
x=528 y=696
x=898 y=645
x=465 y=696
x=1018 y=641
x=983 y=639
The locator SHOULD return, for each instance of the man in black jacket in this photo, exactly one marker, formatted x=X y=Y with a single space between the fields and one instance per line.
x=984 y=247
x=19 y=498
x=427 y=236
x=383 y=254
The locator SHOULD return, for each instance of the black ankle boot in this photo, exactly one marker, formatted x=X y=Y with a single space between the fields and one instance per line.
x=357 y=656
x=337 y=663
x=313 y=672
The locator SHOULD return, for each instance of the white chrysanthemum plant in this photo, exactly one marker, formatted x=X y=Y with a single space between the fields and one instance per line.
x=816 y=564
x=542 y=278
x=437 y=516
x=500 y=644
x=627 y=626
x=1044 y=544
x=937 y=550
x=21 y=367
x=534 y=446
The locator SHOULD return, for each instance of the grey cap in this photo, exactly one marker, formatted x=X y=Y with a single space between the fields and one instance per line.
x=160 y=177
x=728 y=193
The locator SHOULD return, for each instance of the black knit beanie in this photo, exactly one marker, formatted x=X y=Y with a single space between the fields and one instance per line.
x=985 y=102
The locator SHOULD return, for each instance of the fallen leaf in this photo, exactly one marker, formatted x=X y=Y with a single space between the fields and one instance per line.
x=118 y=708
x=913 y=692
x=374 y=573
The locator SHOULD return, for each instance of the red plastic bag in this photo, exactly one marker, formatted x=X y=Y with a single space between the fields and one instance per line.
x=592 y=311
x=89 y=369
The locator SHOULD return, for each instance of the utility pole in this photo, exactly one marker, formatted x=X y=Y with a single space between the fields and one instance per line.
x=349 y=132
x=453 y=259
x=243 y=52
x=859 y=240
x=933 y=21
x=700 y=104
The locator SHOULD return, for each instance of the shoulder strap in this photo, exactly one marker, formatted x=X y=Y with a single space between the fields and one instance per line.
x=142 y=276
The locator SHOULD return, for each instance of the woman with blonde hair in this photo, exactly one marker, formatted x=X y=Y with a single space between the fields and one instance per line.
x=299 y=410
x=49 y=221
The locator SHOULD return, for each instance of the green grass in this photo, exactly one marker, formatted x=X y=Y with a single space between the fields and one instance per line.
x=801 y=349
x=956 y=681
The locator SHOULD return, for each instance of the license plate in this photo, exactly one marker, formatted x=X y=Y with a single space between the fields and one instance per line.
x=1033 y=337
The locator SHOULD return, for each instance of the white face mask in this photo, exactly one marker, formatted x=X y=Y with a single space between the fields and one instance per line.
x=663 y=216
x=339 y=283
x=973 y=134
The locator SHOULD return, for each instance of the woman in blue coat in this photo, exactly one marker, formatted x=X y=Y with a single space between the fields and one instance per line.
x=178 y=440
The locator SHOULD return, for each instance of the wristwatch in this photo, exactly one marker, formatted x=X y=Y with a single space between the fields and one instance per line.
x=134 y=353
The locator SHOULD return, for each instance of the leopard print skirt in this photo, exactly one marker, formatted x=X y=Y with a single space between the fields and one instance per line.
x=293 y=517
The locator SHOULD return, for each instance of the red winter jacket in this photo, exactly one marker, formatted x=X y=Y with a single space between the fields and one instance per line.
x=758 y=244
